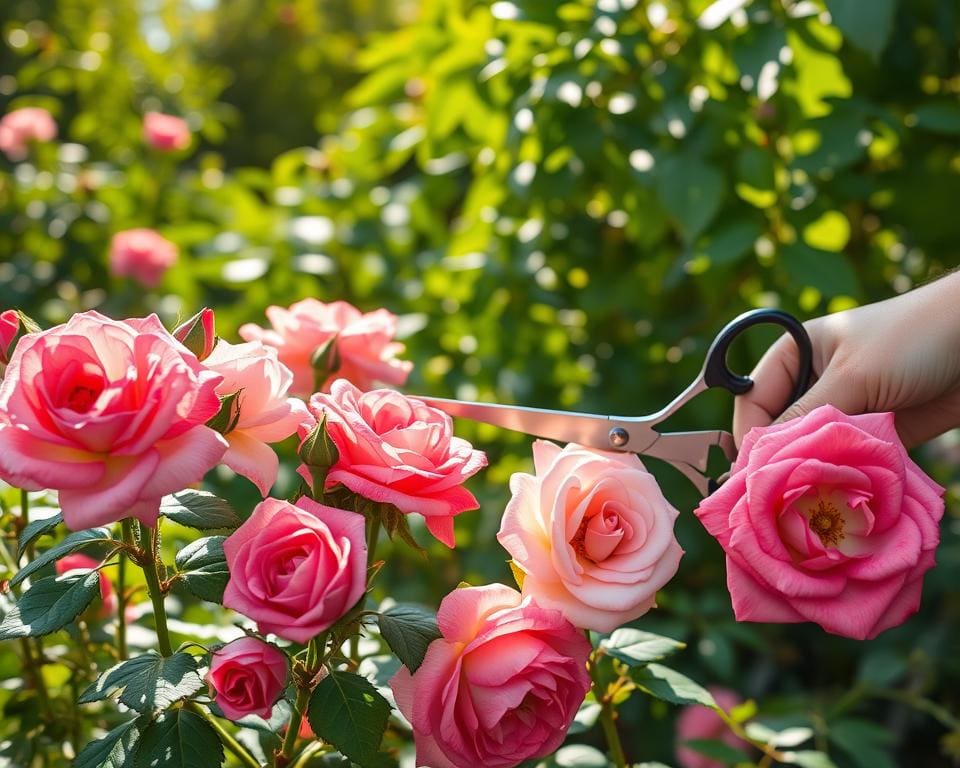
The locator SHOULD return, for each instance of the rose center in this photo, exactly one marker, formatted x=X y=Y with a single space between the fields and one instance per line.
x=81 y=399
x=827 y=522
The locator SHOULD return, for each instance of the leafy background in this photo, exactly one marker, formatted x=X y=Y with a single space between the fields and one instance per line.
x=564 y=201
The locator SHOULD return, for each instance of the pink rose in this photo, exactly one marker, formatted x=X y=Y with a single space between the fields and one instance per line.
x=109 y=413
x=592 y=533
x=398 y=450
x=165 y=133
x=142 y=254
x=264 y=414
x=81 y=562
x=295 y=570
x=363 y=344
x=20 y=128
x=699 y=722
x=247 y=677
x=501 y=686
x=9 y=328
x=826 y=519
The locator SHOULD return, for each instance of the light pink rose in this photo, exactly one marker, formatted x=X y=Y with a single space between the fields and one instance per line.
x=22 y=127
x=364 y=343
x=296 y=569
x=81 y=562
x=592 y=533
x=247 y=677
x=826 y=519
x=165 y=133
x=501 y=686
x=9 y=328
x=398 y=450
x=699 y=722
x=109 y=413
x=265 y=414
x=143 y=254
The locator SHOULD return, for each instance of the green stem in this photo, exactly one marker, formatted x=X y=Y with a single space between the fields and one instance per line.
x=128 y=539
x=608 y=720
x=149 y=565
x=373 y=535
x=304 y=690
x=226 y=737
x=25 y=519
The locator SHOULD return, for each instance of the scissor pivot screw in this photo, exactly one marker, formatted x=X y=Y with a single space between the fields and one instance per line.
x=619 y=437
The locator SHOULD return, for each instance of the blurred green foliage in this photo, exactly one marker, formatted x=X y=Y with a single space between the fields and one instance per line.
x=564 y=201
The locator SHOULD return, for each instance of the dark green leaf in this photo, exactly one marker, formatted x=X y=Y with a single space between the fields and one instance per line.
x=203 y=568
x=691 y=191
x=634 y=646
x=73 y=542
x=939 y=116
x=115 y=750
x=829 y=273
x=200 y=510
x=729 y=242
x=147 y=683
x=179 y=738
x=348 y=712
x=409 y=630
x=49 y=604
x=865 y=743
x=869 y=31
x=717 y=750
x=670 y=685
x=35 y=529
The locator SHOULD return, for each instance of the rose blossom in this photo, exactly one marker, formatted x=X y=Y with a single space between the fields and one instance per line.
x=165 y=133
x=592 y=533
x=18 y=129
x=247 y=676
x=363 y=343
x=700 y=722
x=9 y=328
x=296 y=569
x=398 y=450
x=82 y=562
x=501 y=685
x=142 y=254
x=826 y=518
x=263 y=413
x=109 y=413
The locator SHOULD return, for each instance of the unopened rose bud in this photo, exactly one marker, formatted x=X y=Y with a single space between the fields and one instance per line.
x=318 y=453
x=325 y=361
x=9 y=331
x=197 y=334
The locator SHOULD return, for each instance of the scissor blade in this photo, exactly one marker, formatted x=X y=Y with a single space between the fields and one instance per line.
x=586 y=429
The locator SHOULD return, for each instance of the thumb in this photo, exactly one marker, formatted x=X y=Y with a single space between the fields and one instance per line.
x=830 y=389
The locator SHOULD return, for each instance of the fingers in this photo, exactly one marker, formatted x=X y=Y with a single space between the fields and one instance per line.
x=834 y=388
x=920 y=423
x=774 y=379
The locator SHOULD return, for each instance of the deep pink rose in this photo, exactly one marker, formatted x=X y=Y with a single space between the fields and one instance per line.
x=592 y=533
x=699 y=722
x=9 y=328
x=247 y=677
x=501 y=686
x=109 y=413
x=165 y=133
x=22 y=127
x=398 y=450
x=364 y=344
x=143 y=254
x=825 y=518
x=264 y=412
x=81 y=562
x=296 y=569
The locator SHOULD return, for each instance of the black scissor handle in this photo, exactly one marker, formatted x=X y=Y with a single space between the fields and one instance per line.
x=716 y=372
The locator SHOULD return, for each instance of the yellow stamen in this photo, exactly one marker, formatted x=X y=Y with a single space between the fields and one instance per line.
x=827 y=522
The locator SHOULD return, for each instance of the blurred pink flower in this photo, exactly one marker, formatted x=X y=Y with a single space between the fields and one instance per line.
x=143 y=254
x=699 y=722
x=20 y=128
x=363 y=350
x=165 y=133
x=82 y=562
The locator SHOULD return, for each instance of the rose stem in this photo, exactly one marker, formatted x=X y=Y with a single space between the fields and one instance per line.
x=373 y=537
x=149 y=565
x=229 y=742
x=303 y=698
x=607 y=720
x=127 y=530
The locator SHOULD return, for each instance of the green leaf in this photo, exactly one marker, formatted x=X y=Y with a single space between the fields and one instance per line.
x=49 y=604
x=717 y=750
x=409 y=630
x=115 y=750
x=35 y=529
x=882 y=668
x=203 y=568
x=318 y=452
x=939 y=116
x=348 y=712
x=808 y=759
x=147 y=683
x=200 y=510
x=869 y=31
x=586 y=717
x=179 y=739
x=691 y=191
x=829 y=273
x=73 y=542
x=634 y=646
x=728 y=243
x=669 y=685
x=580 y=756
x=788 y=737
x=865 y=743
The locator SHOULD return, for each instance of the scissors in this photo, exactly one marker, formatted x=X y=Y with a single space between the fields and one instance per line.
x=688 y=452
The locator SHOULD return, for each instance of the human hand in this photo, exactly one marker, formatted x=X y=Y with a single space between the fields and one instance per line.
x=900 y=355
